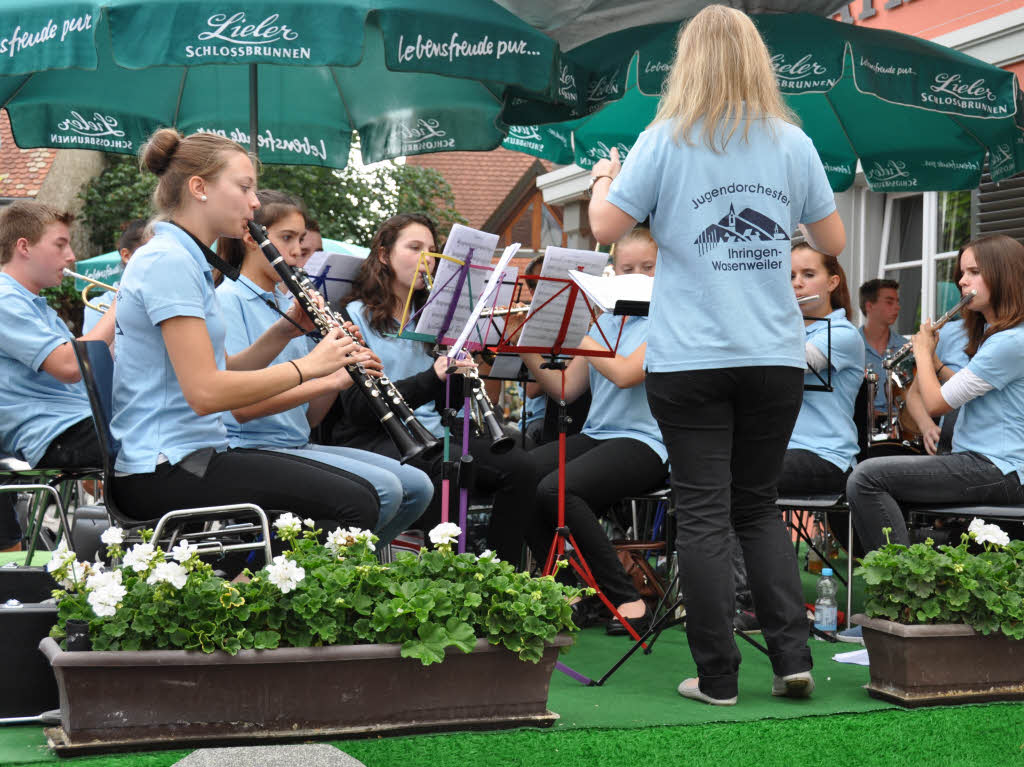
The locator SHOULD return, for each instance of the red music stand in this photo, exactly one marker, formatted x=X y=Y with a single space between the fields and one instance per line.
x=557 y=354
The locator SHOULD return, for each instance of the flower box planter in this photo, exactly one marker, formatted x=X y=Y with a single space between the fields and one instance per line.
x=123 y=699
x=940 y=664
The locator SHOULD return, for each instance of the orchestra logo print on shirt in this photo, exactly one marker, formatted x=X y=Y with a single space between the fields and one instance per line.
x=746 y=226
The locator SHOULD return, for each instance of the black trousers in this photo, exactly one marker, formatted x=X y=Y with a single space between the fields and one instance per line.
x=803 y=473
x=726 y=431
x=75 y=447
x=274 y=481
x=597 y=474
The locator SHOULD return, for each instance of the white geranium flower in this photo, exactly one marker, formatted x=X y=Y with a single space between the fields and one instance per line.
x=183 y=550
x=75 y=574
x=113 y=536
x=444 y=534
x=985 y=533
x=284 y=573
x=309 y=522
x=168 y=572
x=105 y=592
x=60 y=556
x=140 y=557
x=288 y=524
x=339 y=539
x=488 y=554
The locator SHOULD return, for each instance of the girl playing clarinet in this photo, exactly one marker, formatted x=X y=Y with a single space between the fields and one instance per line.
x=375 y=305
x=172 y=376
x=251 y=305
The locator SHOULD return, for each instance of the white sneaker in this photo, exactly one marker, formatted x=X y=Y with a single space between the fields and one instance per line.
x=799 y=685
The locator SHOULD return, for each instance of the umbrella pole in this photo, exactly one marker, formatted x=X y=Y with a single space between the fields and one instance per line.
x=254 y=110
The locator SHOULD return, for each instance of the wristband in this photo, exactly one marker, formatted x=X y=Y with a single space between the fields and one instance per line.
x=301 y=379
x=939 y=368
x=594 y=179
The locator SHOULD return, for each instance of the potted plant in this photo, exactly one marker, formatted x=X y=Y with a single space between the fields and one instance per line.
x=324 y=640
x=946 y=624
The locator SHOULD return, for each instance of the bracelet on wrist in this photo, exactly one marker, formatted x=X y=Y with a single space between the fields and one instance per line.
x=301 y=379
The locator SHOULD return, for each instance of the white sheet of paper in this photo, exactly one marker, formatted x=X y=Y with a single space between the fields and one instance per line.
x=336 y=271
x=497 y=292
x=606 y=291
x=856 y=657
x=544 y=321
x=460 y=241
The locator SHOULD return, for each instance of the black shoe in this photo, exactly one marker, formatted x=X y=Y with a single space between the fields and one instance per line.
x=640 y=625
x=747 y=622
x=588 y=612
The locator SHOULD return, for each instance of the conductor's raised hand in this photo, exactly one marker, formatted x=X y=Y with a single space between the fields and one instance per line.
x=607 y=167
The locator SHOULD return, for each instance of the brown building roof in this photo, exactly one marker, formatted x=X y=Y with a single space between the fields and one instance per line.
x=21 y=170
x=483 y=182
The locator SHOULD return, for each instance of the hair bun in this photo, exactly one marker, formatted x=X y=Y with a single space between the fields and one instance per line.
x=159 y=150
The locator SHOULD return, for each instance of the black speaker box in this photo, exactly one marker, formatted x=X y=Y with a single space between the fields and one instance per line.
x=29 y=685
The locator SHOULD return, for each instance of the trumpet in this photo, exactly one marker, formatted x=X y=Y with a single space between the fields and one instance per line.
x=901 y=364
x=91 y=285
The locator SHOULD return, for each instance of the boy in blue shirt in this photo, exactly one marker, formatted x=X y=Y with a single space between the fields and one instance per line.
x=45 y=418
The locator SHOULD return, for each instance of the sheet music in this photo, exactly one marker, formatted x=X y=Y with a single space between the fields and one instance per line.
x=605 y=292
x=478 y=333
x=460 y=241
x=333 y=274
x=544 y=321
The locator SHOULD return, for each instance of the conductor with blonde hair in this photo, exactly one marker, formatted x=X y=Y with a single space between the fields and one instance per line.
x=725 y=175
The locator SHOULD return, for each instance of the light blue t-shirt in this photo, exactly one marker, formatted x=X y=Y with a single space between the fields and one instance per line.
x=874 y=360
x=246 y=317
x=722 y=294
x=993 y=424
x=951 y=345
x=167 y=277
x=536 y=408
x=615 y=412
x=402 y=358
x=35 y=407
x=825 y=425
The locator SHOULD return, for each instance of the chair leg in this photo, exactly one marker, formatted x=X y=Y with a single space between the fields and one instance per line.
x=849 y=566
x=39 y=511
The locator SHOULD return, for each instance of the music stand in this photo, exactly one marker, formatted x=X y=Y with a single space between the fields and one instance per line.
x=558 y=354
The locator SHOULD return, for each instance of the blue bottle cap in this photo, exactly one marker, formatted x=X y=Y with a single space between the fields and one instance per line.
x=826 y=571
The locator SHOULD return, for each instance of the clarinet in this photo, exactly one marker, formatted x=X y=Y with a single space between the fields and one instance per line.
x=430 y=444
x=325 y=321
x=500 y=441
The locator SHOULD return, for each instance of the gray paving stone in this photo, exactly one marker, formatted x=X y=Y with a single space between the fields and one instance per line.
x=301 y=755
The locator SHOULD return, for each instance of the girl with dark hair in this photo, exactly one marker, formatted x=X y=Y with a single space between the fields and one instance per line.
x=987 y=461
x=375 y=305
x=173 y=378
x=282 y=423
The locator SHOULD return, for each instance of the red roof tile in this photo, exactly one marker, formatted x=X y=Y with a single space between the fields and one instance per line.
x=480 y=180
x=21 y=170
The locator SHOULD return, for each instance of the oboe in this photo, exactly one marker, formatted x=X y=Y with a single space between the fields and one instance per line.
x=409 y=440
x=901 y=364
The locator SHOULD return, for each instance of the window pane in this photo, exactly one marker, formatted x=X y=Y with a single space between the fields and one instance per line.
x=947 y=293
x=905 y=233
x=954 y=222
x=910 y=298
x=550 y=231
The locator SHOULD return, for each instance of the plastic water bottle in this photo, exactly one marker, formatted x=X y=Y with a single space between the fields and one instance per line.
x=826 y=612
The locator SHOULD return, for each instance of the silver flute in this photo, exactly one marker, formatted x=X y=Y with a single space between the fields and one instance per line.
x=902 y=361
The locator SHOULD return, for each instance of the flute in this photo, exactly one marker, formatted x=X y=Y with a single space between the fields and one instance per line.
x=904 y=356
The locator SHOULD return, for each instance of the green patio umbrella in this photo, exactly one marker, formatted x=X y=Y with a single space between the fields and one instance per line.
x=917 y=115
x=295 y=77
